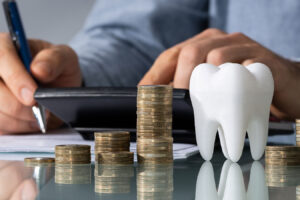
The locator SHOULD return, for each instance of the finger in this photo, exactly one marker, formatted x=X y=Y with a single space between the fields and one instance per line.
x=208 y=33
x=250 y=61
x=4 y=163
x=12 y=125
x=36 y=46
x=15 y=173
x=26 y=190
x=14 y=74
x=51 y=63
x=237 y=53
x=13 y=107
x=265 y=60
x=195 y=54
x=163 y=69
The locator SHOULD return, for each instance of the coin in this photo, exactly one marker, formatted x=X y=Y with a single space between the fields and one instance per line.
x=73 y=152
x=154 y=95
x=165 y=140
x=282 y=148
x=75 y=147
x=77 y=157
x=112 y=134
x=73 y=162
x=163 y=88
x=111 y=149
x=117 y=154
x=282 y=154
x=39 y=160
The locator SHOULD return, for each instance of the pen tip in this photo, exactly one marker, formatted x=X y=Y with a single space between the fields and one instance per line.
x=43 y=130
x=40 y=115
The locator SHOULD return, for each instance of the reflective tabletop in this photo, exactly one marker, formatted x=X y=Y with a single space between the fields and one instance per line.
x=192 y=178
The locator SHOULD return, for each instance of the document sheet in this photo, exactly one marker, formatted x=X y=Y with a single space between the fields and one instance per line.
x=16 y=147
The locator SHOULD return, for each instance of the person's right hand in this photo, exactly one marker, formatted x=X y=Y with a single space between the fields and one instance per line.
x=52 y=66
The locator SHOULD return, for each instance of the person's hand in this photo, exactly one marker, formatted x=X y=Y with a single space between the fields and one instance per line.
x=213 y=46
x=16 y=182
x=52 y=66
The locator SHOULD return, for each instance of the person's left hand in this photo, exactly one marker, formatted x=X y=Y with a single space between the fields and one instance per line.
x=175 y=65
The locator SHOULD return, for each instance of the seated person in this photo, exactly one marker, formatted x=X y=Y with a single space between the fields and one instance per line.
x=122 y=39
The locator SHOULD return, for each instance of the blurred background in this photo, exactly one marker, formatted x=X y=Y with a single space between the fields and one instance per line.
x=56 y=21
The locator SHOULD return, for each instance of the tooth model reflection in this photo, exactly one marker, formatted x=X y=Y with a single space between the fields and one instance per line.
x=231 y=185
x=232 y=99
x=113 y=179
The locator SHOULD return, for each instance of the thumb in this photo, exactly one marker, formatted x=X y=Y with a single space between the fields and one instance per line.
x=51 y=63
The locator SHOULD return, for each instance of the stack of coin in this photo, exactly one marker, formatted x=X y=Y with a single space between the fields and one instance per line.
x=282 y=155
x=298 y=132
x=113 y=148
x=73 y=174
x=298 y=192
x=155 y=182
x=72 y=154
x=282 y=175
x=154 y=124
x=113 y=179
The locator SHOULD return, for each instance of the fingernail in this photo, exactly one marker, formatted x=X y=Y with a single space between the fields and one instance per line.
x=44 y=67
x=26 y=95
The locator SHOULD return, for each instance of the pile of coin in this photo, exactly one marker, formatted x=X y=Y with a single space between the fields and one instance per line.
x=113 y=179
x=113 y=148
x=72 y=154
x=282 y=155
x=155 y=182
x=298 y=132
x=73 y=174
x=154 y=124
x=282 y=176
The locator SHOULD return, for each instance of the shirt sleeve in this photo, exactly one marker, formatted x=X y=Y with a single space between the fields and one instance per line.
x=121 y=38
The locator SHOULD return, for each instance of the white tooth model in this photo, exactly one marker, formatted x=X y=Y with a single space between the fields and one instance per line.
x=231 y=184
x=232 y=99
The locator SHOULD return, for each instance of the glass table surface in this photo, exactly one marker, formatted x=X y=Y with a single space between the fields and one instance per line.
x=192 y=178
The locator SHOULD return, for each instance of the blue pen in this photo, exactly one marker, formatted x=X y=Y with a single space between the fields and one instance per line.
x=20 y=42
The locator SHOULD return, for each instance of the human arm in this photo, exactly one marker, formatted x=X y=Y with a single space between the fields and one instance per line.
x=216 y=47
x=52 y=66
x=121 y=39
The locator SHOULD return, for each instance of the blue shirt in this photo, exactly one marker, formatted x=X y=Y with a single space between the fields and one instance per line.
x=122 y=38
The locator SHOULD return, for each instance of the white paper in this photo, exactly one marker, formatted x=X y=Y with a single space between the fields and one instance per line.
x=43 y=145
